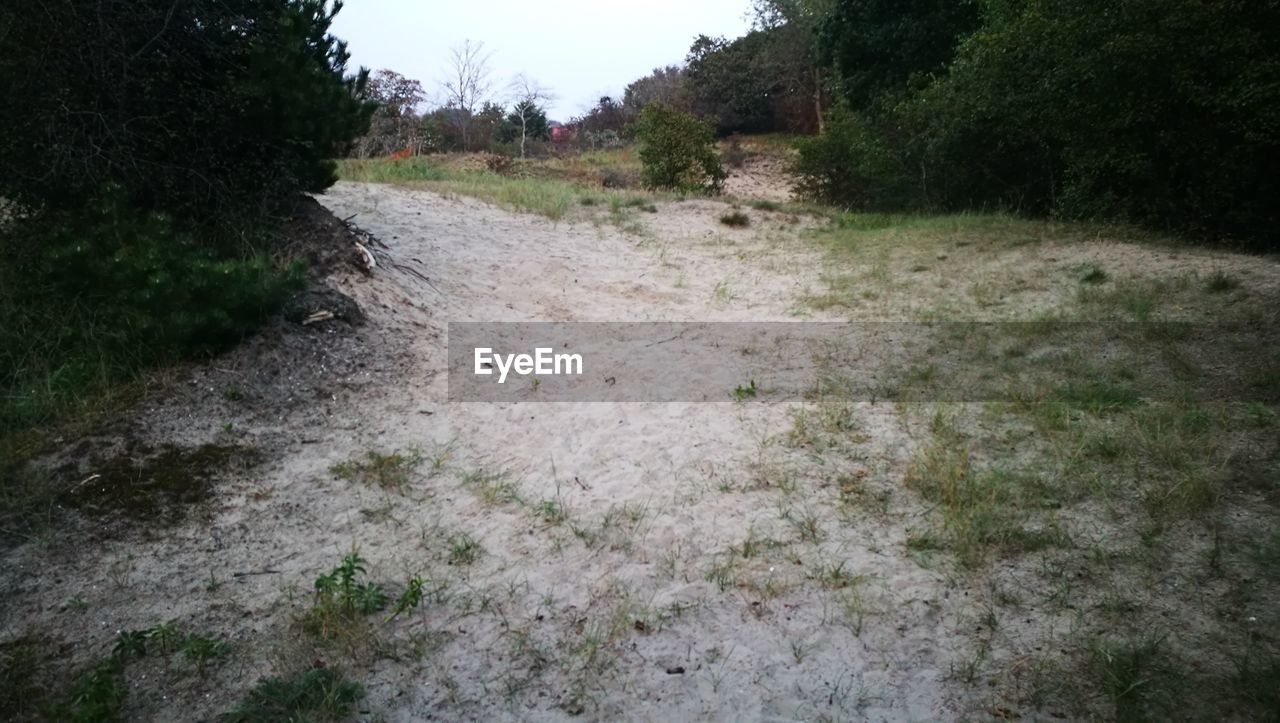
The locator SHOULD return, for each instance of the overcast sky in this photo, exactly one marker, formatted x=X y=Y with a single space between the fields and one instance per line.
x=581 y=49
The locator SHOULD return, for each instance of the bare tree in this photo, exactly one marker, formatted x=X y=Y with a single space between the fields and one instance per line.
x=468 y=84
x=528 y=96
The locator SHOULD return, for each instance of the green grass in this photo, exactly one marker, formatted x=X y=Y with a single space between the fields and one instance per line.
x=388 y=470
x=316 y=694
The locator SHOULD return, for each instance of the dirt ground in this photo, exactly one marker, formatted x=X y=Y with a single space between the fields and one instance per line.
x=613 y=561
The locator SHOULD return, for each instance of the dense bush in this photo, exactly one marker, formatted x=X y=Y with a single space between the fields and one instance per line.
x=148 y=149
x=1159 y=112
x=678 y=150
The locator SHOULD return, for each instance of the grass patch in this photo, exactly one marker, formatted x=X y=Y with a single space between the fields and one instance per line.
x=316 y=694
x=736 y=219
x=390 y=471
x=549 y=188
x=1220 y=282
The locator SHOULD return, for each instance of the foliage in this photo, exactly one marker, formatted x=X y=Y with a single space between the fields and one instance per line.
x=395 y=126
x=316 y=694
x=149 y=150
x=851 y=165
x=888 y=46
x=88 y=297
x=205 y=109
x=96 y=697
x=1158 y=112
x=729 y=82
x=678 y=150
x=340 y=590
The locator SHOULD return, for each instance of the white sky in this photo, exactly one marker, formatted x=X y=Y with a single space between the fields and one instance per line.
x=578 y=48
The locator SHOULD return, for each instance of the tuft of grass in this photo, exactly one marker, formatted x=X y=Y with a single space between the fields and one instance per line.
x=316 y=694
x=745 y=392
x=1220 y=282
x=463 y=550
x=736 y=219
x=390 y=471
x=1094 y=275
x=493 y=488
x=1131 y=673
x=763 y=205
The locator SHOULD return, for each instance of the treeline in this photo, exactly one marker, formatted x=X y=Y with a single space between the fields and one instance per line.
x=1164 y=113
x=471 y=119
x=150 y=150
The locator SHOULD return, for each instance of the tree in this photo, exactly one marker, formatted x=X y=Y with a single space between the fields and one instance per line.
x=663 y=85
x=730 y=82
x=880 y=46
x=527 y=116
x=678 y=150
x=396 y=125
x=211 y=110
x=792 y=52
x=468 y=84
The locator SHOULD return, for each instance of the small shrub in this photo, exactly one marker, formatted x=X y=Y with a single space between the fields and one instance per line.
x=736 y=219
x=850 y=166
x=318 y=694
x=96 y=696
x=678 y=151
x=1093 y=275
x=499 y=164
x=341 y=598
x=748 y=391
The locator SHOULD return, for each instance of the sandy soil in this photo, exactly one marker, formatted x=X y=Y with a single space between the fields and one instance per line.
x=703 y=568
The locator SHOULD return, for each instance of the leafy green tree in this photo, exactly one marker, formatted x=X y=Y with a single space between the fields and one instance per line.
x=678 y=150
x=886 y=46
x=729 y=82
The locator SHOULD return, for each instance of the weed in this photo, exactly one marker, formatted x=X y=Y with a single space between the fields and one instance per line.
x=317 y=694
x=1094 y=275
x=388 y=471
x=736 y=219
x=493 y=488
x=410 y=599
x=341 y=597
x=1220 y=282
x=463 y=550
x=742 y=393
x=1129 y=671
x=200 y=650
x=98 y=695
x=552 y=512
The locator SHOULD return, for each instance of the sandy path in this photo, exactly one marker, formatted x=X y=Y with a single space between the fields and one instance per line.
x=703 y=567
x=685 y=482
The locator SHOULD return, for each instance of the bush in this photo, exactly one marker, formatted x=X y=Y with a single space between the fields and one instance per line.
x=678 y=151
x=851 y=165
